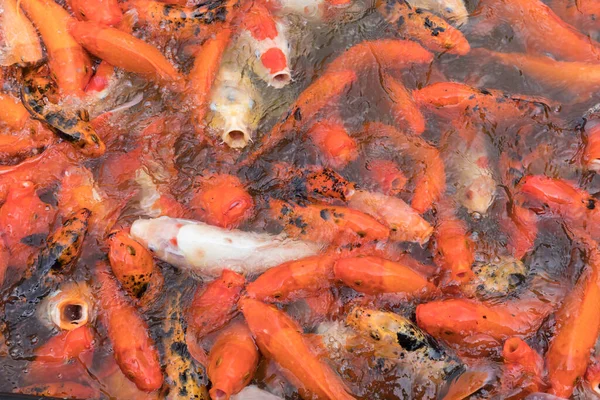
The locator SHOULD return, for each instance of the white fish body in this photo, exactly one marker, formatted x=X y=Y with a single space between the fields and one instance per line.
x=252 y=392
x=206 y=250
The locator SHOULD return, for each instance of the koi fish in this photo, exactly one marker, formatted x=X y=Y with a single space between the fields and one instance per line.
x=252 y=392
x=497 y=277
x=454 y=249
x=327 y=224
x=404 y=222
x=68 y=308
x=68 y=62
x=468 y=168
x=533 y=21
x=19 y=42
x=70 y=125
x=591 y=155
x=207 y=250
x=474 y=327
x=279 y=338
x=214 y=304
x=134 y=349
x=374 y=275
x=334 y=143
x=563 y=76
x=133 y=266
x=396 y=338
x=577 y=327
x=232 y=361
x=403 y=107
x=265 y=37
x=385 y=176
x=431 y=31
x=523 y=368
x=233 y=114
x=293 y=280
x=582 y=14
x=124 y=51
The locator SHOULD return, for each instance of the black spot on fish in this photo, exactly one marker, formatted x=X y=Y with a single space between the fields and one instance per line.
x=167 y=10
x=408 y=341
x=34 y=240
x=298 y=114
x=325 y=214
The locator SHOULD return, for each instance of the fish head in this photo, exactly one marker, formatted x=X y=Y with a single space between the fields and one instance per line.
x=159 y=236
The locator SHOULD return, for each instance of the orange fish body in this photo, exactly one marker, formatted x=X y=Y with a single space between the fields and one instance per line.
x=131 y=263
x=592 y=376
x=66 y=345
x=278 y=337
x=520 y=226
x=105 y=12
x=222 y=200
x=403 y=108
x=215 y=304
x=523 y=368
x=582 y=14
x=232 y=361
x=327 y=224
x=12 y=112
x=374 y=275
x=334 y=143
x=68 y=61
x=577 y=327
x=134 y=349
x=293 y=280
x=591 y=155
x=534 y=22
x=123 y=50
x=471 y=325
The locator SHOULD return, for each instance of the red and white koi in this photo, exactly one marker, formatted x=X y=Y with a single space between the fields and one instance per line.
x=265 y=37
x=207 y=249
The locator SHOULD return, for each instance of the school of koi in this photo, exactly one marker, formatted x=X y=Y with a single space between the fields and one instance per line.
x=317 y=199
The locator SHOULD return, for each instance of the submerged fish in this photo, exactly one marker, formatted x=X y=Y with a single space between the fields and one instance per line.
x=207 y=250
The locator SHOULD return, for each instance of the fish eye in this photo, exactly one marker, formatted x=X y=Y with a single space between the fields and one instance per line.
x=448 y=10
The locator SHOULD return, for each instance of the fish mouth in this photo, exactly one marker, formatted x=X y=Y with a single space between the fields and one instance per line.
x=280 y=79
x=236 y=135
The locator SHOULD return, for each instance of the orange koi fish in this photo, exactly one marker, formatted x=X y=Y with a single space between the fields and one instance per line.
x=560 y=197
x=474 y=327
x=454 y=249
x=132 y=265
x=12 y=113
x=534 y=22
x=374 y=275
x=417 y=23
x=334 y=143
x=523 y=368
x=403 y=108
x=592 y=376
x=578 y=79
x=385 y=176
x=66 y=345
x=134 y=349
x=124 y=51
x=222 y=200
x=69 y=63
x=105 y=12
x=279 y=338
x=327 y=224
x=232 y=361
x=577 y=327
x=214 y=305
x=19 y=42
x=453 y=100
x=520 y=225
x=293 y=280
x=265 y=37
x=431 y=185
